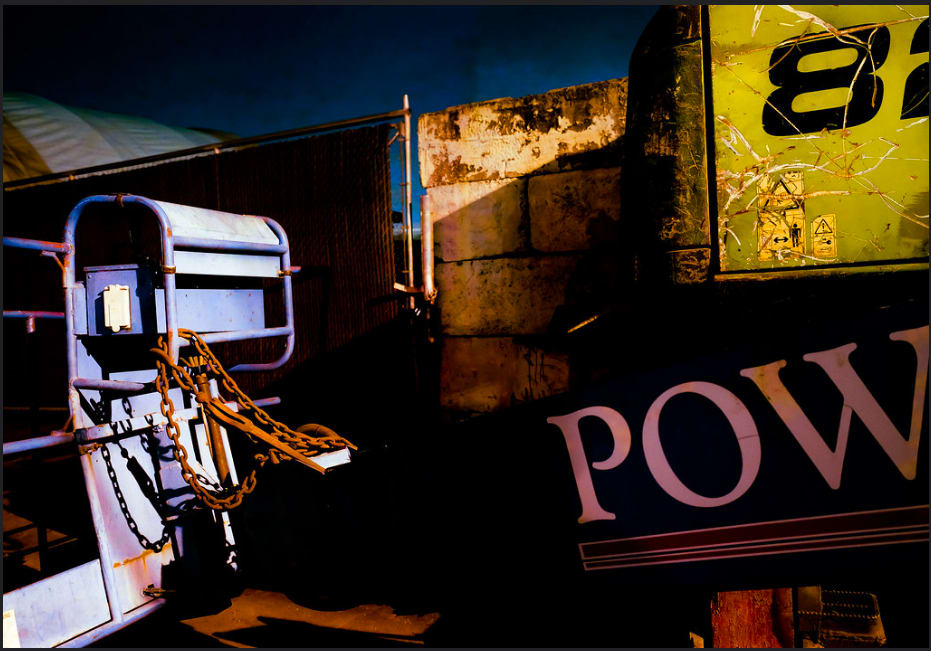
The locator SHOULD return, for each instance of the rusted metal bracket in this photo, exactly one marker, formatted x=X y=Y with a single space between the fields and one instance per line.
x=408 y=289
x=156 y=592
x=89 y=448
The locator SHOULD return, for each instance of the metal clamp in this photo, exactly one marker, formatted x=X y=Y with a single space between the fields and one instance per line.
x=89 y=448
x=152 y=591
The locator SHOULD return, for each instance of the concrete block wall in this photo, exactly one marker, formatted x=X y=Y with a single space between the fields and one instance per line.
x=525 y=196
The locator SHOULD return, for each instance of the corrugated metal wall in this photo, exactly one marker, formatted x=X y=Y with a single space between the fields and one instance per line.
x=331 y=193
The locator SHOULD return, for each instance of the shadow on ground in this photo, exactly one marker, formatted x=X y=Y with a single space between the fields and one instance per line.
x=275 y=632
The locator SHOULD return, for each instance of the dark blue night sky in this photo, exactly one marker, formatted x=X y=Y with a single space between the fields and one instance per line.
x=257 y=69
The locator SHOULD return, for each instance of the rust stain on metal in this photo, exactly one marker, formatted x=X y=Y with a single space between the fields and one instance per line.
x=145 y=554
x=752 y=619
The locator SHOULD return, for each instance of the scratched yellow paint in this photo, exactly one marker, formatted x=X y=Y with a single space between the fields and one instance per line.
x=861 y=162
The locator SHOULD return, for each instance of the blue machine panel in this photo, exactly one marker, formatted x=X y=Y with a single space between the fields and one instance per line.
x=141 y=297
x=214 y=310
x=201 y=310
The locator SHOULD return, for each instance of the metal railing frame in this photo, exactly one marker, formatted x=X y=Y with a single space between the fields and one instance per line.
x=168 y=244
x=119 y=619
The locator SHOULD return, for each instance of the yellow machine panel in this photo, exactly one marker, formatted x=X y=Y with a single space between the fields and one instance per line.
x=820 y=134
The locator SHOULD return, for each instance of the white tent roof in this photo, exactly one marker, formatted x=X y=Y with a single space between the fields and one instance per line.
x=41 y=137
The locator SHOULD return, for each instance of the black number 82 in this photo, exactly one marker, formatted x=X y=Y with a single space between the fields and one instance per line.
x=866 y=96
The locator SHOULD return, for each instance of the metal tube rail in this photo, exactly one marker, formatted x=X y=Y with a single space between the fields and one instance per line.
x=240 y=335
x=32 y=314
x=45 y=248
x=110 y=385
x=38 y=443
x=426 y=248
x=211 y=148
x=288 y=306
x=34 y=245
x=58 y=437
x=227 y=245
x=408 y=202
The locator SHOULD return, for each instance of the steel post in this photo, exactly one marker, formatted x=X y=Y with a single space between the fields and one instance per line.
x=217 y=448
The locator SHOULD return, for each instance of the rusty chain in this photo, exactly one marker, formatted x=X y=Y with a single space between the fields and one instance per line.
x=294 y=443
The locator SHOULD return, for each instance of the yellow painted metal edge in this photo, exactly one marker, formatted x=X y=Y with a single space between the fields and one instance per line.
x=822 y=272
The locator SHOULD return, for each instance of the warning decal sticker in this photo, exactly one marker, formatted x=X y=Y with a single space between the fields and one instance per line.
x=781 y=227
x=824 y=237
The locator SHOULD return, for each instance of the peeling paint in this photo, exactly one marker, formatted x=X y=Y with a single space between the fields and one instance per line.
x=443 y=167
x=510 y=138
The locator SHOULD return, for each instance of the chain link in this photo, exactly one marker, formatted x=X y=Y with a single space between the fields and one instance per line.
x=282 y=441
x=130 y=521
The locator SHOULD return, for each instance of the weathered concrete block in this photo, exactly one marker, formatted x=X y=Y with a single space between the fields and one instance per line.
x=483 y=374
x=476 y=220
x=502 y=295
x=574 y=210
x=563 y=129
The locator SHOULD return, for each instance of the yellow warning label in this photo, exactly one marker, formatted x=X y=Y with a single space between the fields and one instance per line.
x=824 y=237
x=781 y=225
